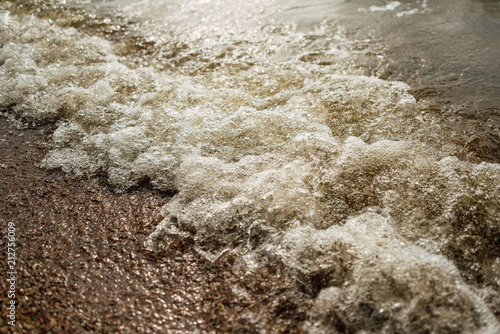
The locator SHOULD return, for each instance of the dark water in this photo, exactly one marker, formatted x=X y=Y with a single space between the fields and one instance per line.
x=352 y=143
x=449 y=56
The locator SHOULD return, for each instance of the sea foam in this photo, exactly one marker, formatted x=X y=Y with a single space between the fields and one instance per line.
x=319 y=171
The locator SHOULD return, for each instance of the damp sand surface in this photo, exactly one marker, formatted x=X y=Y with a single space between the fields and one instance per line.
x=82 y=265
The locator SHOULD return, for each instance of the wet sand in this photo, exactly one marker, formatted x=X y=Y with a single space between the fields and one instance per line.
x=82 y=265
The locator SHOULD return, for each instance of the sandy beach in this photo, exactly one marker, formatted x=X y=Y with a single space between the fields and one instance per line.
x=82 y=265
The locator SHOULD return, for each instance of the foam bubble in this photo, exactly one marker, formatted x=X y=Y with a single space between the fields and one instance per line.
x=389 y=7
x=369 y=278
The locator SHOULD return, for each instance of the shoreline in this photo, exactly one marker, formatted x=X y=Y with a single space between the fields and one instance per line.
x=82 y=265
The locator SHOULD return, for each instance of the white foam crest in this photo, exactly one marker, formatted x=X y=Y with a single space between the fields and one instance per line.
x=267 y=154
x=218 y=114
x=388 y=7
x=374 y=280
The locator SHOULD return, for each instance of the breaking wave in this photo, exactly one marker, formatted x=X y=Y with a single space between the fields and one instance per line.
x=285 y=162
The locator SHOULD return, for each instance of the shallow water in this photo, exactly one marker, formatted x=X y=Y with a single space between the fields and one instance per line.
x=354 y=143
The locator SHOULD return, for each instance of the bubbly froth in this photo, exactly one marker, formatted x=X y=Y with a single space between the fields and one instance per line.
x=321 y=171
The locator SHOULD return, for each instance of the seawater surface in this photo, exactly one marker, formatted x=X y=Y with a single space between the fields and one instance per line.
x=353 y=143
